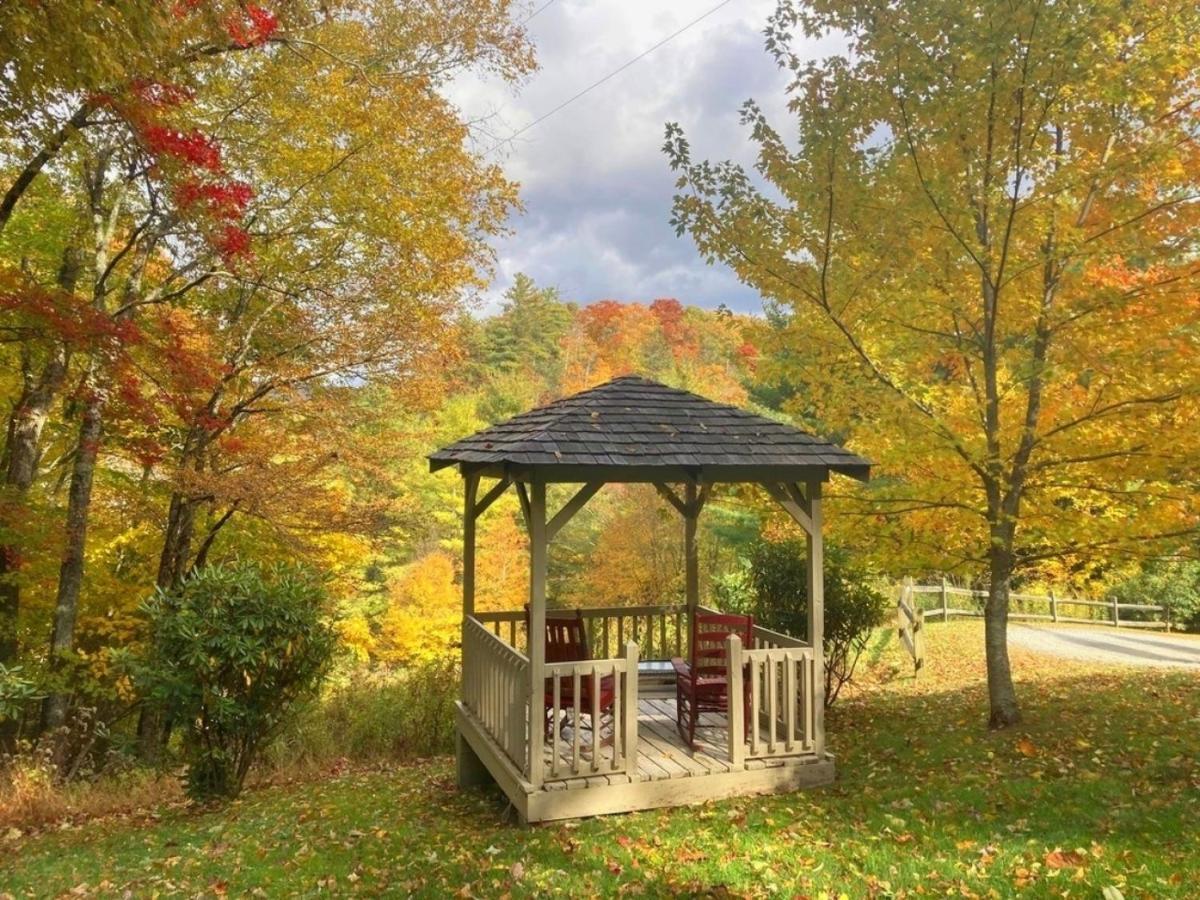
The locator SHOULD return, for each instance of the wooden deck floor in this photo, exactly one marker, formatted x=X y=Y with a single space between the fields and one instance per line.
x=662 y=752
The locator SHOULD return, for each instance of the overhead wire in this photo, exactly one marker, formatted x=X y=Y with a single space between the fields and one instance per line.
x=613 y=74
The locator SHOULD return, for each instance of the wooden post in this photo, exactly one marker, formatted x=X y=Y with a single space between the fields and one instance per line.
x=690 y=549
x=816 y=611
x=470 y=770
x=737 y=694
x=945 y=600
x=1053 y=606
x=1116 y=611
x=468 y=575
x=631 y=708
x=537 y=628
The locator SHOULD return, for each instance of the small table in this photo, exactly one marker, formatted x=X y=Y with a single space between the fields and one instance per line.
x=656 y=677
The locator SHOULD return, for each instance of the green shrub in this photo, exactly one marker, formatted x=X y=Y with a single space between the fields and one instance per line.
x=853 y=607
x=1175 y=585
x=17 y=691
x=376 y=715
x=229 y=653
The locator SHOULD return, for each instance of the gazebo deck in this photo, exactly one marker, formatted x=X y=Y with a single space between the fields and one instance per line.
x=662 y=752
x=666 y=773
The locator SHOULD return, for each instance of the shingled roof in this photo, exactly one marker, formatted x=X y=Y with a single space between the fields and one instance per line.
x=635 y=429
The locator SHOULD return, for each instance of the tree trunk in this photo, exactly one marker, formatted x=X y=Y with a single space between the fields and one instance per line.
x=22 y=452
x=70 y=579
x=177 y=541
x=1002 y=696
x=153 y=729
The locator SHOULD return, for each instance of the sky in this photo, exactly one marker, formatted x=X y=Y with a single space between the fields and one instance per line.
x=595 y=183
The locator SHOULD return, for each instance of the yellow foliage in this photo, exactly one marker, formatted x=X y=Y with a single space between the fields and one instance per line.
x=424 y=612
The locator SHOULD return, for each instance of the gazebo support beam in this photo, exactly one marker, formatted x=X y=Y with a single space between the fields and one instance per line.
x=572 y=506
x=523 y=496
x=815 y=546
x=538 y=544
x=491 y=496
x=793 y=501
x=470 y=514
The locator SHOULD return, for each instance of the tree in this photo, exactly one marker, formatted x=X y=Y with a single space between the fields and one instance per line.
x=984 y=245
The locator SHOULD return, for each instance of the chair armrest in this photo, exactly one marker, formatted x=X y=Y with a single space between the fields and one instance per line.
x=681 y=667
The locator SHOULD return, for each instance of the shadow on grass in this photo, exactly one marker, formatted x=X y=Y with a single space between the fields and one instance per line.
x=1099 y=787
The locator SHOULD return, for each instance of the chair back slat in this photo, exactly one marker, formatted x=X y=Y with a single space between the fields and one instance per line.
x=709 y=633
x=566 y=636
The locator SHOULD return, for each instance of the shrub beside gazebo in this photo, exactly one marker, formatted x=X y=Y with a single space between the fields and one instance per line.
x=635 y=430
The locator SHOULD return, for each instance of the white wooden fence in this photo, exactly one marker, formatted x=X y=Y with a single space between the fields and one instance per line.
x=496 y=687
x=612 y=745
x=948 y=603
x=783 y=689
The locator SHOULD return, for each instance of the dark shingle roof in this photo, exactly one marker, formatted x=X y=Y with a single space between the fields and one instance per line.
x=632 y=423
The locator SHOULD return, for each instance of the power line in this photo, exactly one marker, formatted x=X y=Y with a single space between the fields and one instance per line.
x=614 y=73
x=538 y=10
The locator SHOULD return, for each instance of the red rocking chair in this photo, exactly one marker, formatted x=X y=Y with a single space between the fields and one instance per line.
x=566 y=641
x=702 y=685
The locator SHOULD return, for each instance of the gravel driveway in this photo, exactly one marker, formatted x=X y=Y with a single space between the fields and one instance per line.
x=1109 y=645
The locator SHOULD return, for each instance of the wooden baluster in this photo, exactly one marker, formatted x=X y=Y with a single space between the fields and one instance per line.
x=772 y=690
x=789 y=695
x=596 y=742
x=575 y=721
x=755 y=705
x=616 y=718
x=631 y=708
x=737 y=695
x=557 y=712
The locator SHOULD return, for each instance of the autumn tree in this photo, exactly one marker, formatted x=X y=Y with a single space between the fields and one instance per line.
x=983 y=242
x=234 y=263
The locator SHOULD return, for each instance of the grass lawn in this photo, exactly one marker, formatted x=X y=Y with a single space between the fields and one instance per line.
x=1099 y=789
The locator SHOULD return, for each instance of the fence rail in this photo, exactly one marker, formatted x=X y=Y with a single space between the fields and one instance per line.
x=1057 y=609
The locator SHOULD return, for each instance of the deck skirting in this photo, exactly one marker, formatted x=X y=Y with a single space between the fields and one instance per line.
x=669 y=774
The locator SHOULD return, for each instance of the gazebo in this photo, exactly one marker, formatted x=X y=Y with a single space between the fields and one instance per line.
x=632 y=429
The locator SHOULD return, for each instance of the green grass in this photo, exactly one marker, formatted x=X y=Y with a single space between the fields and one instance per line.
x=1099 y=788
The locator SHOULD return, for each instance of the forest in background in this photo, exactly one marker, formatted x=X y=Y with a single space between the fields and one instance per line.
x=230 y=330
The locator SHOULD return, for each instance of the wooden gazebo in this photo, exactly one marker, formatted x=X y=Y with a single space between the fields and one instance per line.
x=635 y=430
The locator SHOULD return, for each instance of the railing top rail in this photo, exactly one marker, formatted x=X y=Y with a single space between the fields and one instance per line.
x=606 y=664
x=801 y=651
x=588 y=612
x=497 y=644
x=778 y=637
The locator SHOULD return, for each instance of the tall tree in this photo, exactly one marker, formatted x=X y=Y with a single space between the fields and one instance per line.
x=988 y=224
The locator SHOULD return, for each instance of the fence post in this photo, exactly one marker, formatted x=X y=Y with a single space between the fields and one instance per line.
x=945 y=601
x=1116 y=614
x=1053 y=606
x=737 y=700
x=631 y=708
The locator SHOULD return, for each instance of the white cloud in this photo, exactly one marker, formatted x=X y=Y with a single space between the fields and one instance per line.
x=596 y=186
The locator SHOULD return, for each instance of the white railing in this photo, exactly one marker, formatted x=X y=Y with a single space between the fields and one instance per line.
x=1057 y=609
x=496 y=688
x=611 y=745
x=773 y=692
x=660 y=631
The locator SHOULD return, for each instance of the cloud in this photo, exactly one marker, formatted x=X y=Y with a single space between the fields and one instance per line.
x=596 y=186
